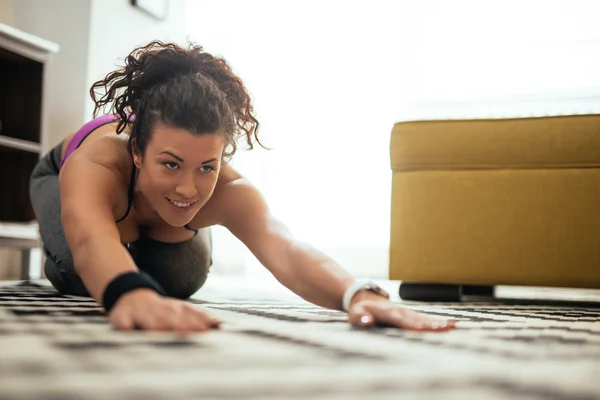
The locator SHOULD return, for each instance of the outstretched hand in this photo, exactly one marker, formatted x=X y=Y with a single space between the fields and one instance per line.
x=369 y=312
x=146 y=310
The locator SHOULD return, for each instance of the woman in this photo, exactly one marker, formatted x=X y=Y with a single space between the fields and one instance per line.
x=125 y=203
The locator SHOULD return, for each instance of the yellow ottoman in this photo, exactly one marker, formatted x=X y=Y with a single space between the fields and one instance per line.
x=484 y=202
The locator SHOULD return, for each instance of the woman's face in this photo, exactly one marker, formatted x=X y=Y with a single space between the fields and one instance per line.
x=178 y=172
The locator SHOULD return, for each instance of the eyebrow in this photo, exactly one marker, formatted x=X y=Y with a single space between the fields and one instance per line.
x=181 y=159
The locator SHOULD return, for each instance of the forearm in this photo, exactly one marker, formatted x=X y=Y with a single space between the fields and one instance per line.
x=314 y=276
x=100 y=259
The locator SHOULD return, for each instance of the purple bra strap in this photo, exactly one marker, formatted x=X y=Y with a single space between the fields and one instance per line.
x=84 y=131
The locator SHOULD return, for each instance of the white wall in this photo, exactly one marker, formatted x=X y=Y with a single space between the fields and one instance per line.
x=494 y=58
x=329 y=79
x=7 y=12
x=117 y=28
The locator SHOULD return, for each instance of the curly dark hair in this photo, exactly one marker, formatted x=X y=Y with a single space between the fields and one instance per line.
x=185 y=88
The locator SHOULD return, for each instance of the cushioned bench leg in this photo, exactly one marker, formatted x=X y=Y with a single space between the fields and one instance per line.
x=442 y=292
x=478 y=290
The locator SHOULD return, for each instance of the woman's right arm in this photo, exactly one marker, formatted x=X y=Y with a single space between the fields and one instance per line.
x=89 y=194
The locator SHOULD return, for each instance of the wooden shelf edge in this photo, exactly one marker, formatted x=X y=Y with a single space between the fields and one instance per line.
x=20 y=144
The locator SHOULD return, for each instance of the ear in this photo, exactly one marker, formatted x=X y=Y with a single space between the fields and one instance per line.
x=137 y=157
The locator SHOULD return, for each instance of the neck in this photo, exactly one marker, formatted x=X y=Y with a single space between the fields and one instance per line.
x=144 y=213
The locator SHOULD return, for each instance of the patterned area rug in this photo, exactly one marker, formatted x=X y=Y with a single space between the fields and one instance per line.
x=279 y=347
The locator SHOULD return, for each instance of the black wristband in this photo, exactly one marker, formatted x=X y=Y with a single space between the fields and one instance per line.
x=125 y=283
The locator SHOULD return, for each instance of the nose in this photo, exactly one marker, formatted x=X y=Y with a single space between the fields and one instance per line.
x=186 y=187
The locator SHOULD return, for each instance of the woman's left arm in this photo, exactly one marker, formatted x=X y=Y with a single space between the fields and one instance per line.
x=303 y=269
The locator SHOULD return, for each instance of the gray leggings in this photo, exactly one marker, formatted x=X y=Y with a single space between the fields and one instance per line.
x=180 y=268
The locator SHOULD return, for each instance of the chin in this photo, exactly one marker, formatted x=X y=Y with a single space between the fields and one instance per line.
x=176 y=222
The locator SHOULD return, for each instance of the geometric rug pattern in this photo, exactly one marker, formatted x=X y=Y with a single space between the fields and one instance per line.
x=281 y=347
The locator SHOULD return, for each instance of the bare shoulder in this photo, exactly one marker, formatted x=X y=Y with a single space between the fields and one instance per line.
x=104 y=163
x=108 y=150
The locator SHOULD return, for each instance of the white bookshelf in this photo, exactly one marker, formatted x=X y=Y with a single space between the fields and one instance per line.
x=24 y=60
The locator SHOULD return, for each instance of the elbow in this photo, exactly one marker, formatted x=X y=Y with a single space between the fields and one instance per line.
x=79 y=239
x=74 y=230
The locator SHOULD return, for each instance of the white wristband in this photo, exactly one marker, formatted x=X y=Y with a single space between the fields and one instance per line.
x=351 y=291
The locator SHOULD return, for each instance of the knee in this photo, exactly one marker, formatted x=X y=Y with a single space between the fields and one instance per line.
x=186 y=286
x=180 y=268
x=179 y=281
x=62 y=276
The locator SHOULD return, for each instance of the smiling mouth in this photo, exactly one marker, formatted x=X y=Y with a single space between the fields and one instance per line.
x=181 y=204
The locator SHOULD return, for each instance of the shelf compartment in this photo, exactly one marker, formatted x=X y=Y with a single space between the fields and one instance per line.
x=15 y=203
x=21 y=81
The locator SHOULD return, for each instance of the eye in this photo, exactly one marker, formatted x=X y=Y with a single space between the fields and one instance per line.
x=171 y=165
x=206 y=168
